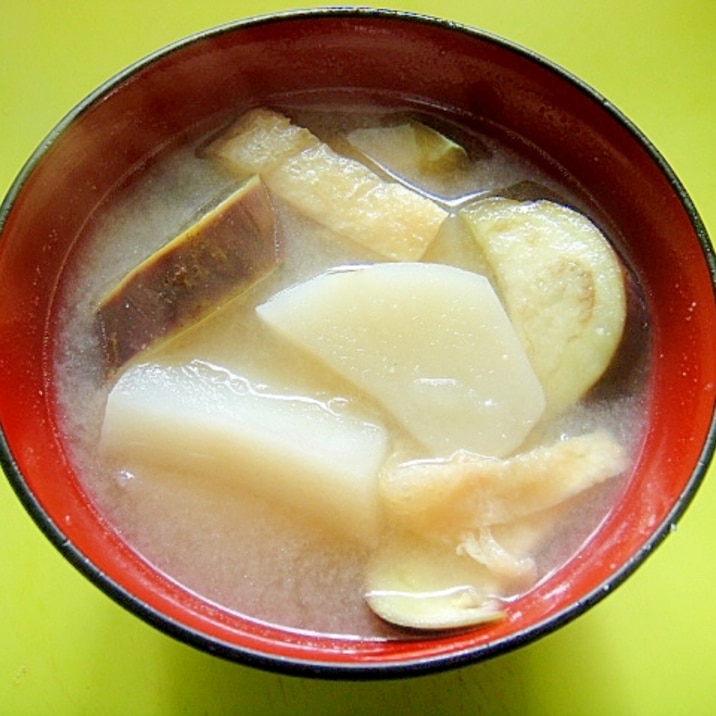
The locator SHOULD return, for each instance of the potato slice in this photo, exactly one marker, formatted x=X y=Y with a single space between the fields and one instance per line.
x=470 y=491
x=209 y=424
x=562 y=286
x=228 y=250
x=421 y=585
x=430 y=343
x=338 y=192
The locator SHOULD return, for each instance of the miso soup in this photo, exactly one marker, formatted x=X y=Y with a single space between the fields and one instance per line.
x=239 y=543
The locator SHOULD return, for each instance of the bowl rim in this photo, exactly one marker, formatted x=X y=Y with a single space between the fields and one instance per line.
x=368 y=670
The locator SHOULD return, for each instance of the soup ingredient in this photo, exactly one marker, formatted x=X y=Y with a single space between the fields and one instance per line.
x=199 y=420
x=562 y=286
x=446 y=514
x=430 y=343
x=410 y=148
x=413 y=583
x=228 y=250
x=482 y=546
x=469 y=491
x=455 y=245
x=338 y=192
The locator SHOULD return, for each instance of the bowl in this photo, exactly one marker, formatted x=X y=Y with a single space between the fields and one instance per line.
x=184 y=92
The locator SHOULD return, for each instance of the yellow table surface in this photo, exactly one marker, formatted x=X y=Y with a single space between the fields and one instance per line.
x=649 y=648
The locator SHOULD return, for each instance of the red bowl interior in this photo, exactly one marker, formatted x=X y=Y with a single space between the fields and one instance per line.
x=182 y=90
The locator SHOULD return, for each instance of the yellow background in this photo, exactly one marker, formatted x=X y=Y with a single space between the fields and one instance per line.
x=650 y=648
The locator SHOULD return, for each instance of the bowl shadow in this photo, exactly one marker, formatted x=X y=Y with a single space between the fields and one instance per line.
x=513 y=683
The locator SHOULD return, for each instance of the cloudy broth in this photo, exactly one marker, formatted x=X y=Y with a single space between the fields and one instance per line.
x=236 y=549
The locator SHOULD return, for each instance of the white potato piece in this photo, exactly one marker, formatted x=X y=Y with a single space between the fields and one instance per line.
x=468 y=491
x=562 y=286
x=421 y=585
x=203 y=421
x=430 y=343
x=338 y=192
